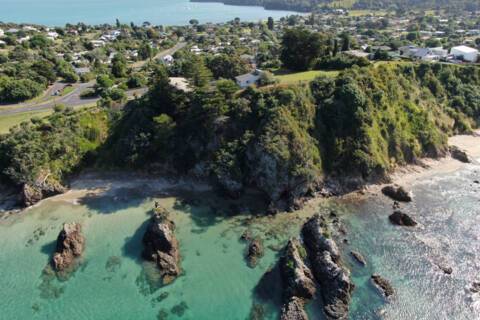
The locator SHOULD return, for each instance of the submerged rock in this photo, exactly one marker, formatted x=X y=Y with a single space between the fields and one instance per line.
x=475 y=288
x=70 y=245
x=161 y=245
x=255 y=252
x=397 y=193
x=383 y=285
x=402 y=219
x=459 y=154
x=358 y=257
x=324 y=256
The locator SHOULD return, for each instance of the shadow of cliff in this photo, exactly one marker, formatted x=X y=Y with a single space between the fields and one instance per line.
x=115 y=200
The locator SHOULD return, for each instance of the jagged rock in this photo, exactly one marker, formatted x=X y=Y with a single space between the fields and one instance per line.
x=32 y=194
x=397 y=193
x=383 y=285
x=446 y=269
x=70 y=245
x=402 y=219
x=475 y=288
x=161 y=245
x=297 y=277
x=358 y=257
x=294 y=309
x=255 y=252
x=333 y=277
x=459 y=154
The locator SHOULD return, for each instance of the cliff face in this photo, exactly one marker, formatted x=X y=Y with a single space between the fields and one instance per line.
x=161 y=245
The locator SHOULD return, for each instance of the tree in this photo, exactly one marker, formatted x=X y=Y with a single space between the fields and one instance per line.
x=225 y=66
x=227 y=87
x=300 y=49
x=345 y=41
x=145 y=51
x=193 y=22
x=103 y=82
x=119 y=66
x=270 y=23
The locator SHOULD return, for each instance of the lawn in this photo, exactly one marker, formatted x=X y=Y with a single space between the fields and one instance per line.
x=8 y=121
x=306 y=76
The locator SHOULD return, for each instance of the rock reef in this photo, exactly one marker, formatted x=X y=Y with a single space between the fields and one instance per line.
x=161 y=245
x=254 y=252
x=333 y=278
x=298 y=281
x=397 y=193
x=383 y=285
x=459 y=154
x=70 y=246
x=402 y=219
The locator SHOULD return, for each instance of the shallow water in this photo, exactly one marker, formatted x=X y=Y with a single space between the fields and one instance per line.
x=161 y=12
x=112 y=282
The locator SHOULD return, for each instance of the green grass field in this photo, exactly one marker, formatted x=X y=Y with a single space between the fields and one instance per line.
x=306 y=76
x=9 y=121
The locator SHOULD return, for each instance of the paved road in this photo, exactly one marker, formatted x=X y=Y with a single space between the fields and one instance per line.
x=71 y=99
x=162 y=54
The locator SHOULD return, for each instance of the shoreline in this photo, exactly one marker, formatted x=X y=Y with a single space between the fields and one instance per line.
x=428 y=167
x=95 y=183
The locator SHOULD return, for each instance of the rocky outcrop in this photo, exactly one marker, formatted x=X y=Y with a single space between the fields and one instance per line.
x=402 y=219
x=70 y=246
x=33 y=193
x=161 y=245
x=397 y=193
x=333 y=277
x=383 y=285
x=358 y=257
x=255 y=252
x=294 y=309
x=459 y=154
x=298 y=281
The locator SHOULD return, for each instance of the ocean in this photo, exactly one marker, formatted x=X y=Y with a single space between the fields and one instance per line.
x=114 y=283
x=160 y=12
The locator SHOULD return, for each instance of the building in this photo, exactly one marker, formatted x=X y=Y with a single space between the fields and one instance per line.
x=465 y=53
x=2 y=33
x=249 y=79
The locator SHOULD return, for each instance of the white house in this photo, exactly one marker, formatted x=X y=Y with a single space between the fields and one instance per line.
x=249 y=79
x=2 y=33
x=168 y=59
x=465 y=53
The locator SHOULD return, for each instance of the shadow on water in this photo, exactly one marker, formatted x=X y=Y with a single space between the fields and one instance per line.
x=116 y=200
x=267 y=295
x=49 y=248
x=133 y=247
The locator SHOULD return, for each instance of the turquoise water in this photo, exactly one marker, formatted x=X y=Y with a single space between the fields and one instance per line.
x=113 y=283
x=165 y=12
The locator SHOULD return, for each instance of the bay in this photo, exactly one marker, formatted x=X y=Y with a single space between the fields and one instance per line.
x=159 y=12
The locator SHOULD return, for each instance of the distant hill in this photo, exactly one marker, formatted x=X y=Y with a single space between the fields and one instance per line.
x=310 y=5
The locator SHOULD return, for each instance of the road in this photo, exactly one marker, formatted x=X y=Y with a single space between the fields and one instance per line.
x=161 y=54
x=71 y=99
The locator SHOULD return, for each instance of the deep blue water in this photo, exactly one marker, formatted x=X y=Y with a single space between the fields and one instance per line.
x=165 y=12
